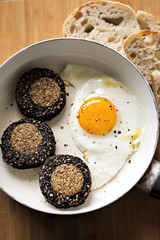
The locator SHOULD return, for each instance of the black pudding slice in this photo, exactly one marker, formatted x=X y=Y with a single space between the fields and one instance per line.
x=27 y=143
x=65 y=181
x=40 y=94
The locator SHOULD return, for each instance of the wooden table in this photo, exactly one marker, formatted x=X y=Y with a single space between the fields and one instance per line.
x=136 y=216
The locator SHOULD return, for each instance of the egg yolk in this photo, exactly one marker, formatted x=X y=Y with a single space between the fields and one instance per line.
x=97 y=116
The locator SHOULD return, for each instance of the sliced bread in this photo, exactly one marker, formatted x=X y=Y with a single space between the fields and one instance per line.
x=106 y=22
x=155 y=78
x=147 y=21
x=143 y=49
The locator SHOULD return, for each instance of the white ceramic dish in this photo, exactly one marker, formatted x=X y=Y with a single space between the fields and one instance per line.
x=22 y=185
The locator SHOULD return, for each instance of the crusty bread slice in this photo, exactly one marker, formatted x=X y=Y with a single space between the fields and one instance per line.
x=143 y=49
x=155 y=78
x=103 y=21
x=147 y=21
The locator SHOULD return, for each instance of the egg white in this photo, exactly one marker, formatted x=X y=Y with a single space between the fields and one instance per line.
x=105 y=154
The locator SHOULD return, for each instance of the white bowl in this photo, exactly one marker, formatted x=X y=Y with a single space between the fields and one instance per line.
x=23 y=185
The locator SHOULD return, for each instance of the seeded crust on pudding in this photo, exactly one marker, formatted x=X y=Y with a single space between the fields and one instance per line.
x=65 y=181
x=27 y=143
x=40 y=94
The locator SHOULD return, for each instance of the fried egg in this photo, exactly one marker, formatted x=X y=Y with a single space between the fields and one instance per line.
x=106 y=121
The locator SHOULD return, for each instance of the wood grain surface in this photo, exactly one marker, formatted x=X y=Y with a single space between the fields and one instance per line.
x=135 y=216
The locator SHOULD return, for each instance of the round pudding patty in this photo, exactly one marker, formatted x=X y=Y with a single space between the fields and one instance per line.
x=27 y=143
x=65 y=181
x=40 y=93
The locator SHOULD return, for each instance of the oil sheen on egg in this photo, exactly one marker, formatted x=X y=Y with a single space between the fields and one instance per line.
x=106 y=121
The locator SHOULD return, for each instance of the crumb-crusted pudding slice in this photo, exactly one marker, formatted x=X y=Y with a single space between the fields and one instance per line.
x=27 y=143
x=40 y=94
x=65 y=181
